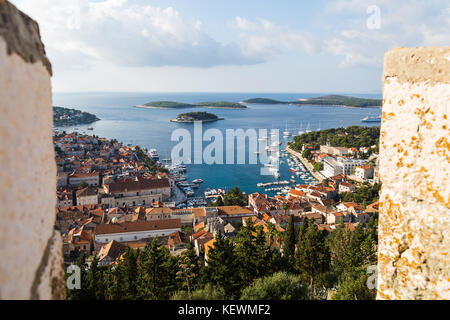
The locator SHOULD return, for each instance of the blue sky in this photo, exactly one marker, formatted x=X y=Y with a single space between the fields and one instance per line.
x=230 y=45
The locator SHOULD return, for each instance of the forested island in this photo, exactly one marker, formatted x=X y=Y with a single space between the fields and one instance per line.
x=353 y=136
x=180 y=105
x=335 y=100
x=70 y=117
x=196 y=116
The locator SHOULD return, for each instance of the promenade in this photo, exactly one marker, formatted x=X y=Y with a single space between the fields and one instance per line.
x=319 y=177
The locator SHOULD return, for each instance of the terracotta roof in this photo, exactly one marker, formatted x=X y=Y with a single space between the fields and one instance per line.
x=84 y=175
x=112 y=250
x=86 y=192
x=128 y=184
x=137 y=226
x=234 y=210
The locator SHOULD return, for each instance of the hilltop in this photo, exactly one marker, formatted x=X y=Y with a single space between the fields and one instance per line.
x=179 y=105
x=196 y=116
x=68 y=117
x=336 y=100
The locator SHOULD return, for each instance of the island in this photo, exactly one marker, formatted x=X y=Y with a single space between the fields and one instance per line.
x=331 y=100
x=72 y=117
x=179 y=105
x=196 y=116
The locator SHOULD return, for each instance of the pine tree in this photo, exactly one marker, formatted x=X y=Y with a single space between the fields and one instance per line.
x=289 y=241
x=223 y=267
x=246 y=254
x=340 y=253
x=156 y=273
x=312 y=255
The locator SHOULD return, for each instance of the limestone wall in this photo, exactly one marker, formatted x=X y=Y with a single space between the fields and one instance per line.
x=30 y=250
x=414 y=242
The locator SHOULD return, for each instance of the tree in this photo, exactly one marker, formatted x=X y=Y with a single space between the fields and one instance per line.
x=157 y=272
x=279 y=286
x=222 y=265
x=353 y=286
x=186 y=273
x=289 y=240
x=209 y=292
x=312 y=256
x=340 y=253
x=83 y=185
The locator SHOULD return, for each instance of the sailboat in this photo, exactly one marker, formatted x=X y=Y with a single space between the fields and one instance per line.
x=286 y=133
x=300 y=132
x=320 y=125
x=308 y=129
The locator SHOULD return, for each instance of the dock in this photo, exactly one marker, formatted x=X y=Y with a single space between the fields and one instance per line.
x=318 y=176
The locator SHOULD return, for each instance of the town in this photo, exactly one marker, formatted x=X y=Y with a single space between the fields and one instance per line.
x=112 y=197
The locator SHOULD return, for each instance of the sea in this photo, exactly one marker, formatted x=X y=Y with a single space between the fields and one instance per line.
x=152 y=129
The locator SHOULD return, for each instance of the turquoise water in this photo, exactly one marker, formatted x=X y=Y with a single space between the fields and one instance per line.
x=151 y=128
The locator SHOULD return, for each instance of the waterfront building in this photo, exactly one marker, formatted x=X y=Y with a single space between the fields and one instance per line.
x=135 y=191
x=91 y=178
x=86 y=196
x=135 y=231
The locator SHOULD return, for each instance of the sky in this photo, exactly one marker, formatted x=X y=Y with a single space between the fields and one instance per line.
x=230 y=45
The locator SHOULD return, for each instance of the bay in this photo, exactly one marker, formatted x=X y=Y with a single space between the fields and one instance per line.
x=152 y=129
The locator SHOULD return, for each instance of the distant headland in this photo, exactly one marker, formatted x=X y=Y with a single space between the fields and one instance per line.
x=196 y=116
x=335 y=100
x=180 y=105
x=71 y=117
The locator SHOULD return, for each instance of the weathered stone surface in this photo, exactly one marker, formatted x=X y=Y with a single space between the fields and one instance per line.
x=30 y=264
x=21 y=34
x=414 y=257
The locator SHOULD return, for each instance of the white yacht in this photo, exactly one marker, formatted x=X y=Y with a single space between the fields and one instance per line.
x=286 y=133
x=308 y=129
x=300 y=132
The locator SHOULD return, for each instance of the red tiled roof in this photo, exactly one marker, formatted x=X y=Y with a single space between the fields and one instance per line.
x=137 y=226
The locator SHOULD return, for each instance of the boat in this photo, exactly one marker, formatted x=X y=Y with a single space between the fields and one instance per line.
x=300 y=131
x=371 y=119
x=197 y=181
x=154 y=155
x=308 y=129
x=292 y=170
x=286 y=133
x=90 y=129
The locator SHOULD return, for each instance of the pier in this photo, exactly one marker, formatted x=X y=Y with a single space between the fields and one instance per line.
x=307 y=165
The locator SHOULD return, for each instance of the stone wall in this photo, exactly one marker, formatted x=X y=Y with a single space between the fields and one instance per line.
x=414 y=242
x=30 y=251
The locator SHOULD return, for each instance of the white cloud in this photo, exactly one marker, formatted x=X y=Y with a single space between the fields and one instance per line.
x=128 y=35
x=263 y=38
x=403 y=24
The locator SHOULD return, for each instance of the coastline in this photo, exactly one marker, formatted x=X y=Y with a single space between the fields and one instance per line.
x=307 y=165
x=180 y=121
x=141 y=106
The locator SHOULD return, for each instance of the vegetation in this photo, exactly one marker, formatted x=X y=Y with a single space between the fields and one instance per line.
x=168 y=104
x=279 y=286
x=69 y=117
x=366 y=194
x=246 y=267
x=149 y=163
x=326 y=100
x=353 y=136
x=196 y=116
x=222 y=104
x=263 y=101
x=234 y=197
x=175 y=105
